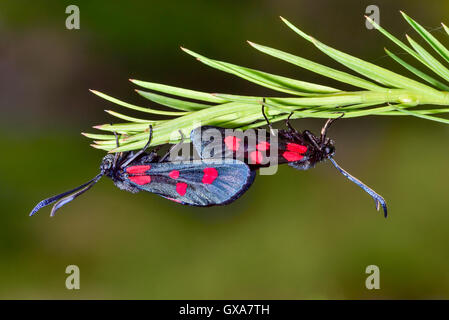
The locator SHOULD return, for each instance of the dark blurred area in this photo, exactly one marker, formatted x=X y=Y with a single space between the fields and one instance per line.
x=294 y=235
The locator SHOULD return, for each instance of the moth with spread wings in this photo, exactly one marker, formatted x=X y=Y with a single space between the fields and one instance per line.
x=200 y=183
x=301 y=150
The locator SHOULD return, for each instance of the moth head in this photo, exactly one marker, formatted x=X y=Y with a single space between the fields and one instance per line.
x=107 y=163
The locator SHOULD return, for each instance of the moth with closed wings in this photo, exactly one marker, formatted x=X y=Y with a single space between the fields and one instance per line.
x=202 y=183
x=300 y=150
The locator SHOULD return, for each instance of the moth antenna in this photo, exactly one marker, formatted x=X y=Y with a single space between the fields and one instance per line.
x=378 y=199
x=48 y=201
x=66 y=200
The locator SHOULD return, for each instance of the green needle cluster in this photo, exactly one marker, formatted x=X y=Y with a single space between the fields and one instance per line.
x=378 y=91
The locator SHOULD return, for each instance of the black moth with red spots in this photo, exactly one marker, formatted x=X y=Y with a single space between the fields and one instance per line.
x=196 y=183
x=294 y=148
x=301 y=150
x=201 y=183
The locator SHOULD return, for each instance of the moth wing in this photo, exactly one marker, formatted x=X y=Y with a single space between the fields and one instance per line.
x=202 y=183
x=263 y=150
x=249 y=146
x=208 y=142
x=293 y=151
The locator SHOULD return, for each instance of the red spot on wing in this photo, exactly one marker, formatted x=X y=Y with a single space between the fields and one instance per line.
x=174 y=174
x=140 y=180
x=256 y=157
x=138 y=169
x=263 y=146
x=292 y=156
x=232 y=143
x=181 y=188
x=210 y=174
x=294 y=147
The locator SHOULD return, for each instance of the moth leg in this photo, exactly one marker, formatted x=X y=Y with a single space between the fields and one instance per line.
x=116 y=139
x=172 y=148
x=265 y=116
x=137 y=154
x=116 y=156
x=312 y=139
x=287 y=122
x=326 y=127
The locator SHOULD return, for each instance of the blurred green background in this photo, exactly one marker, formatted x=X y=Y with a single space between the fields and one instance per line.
x=295 y=235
